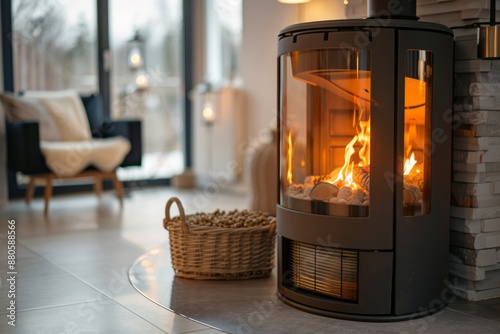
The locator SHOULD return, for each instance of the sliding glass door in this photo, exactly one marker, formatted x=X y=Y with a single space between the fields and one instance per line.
x=146 y=80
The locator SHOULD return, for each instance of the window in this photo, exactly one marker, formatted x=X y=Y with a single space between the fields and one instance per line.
x=146 y=80
x=45 y=59
x=223 y=40
x=417 y=143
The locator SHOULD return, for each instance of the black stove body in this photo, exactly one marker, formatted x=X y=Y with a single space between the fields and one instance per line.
x=365 y=118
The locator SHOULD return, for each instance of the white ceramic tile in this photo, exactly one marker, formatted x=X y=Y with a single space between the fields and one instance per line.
x=204 y=331
x=161 y=317
x=104 y=316
x=40 y=284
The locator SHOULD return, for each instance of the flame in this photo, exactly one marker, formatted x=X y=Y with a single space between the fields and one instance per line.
x=289 y=157
x=410 y=160
x=364 y=139
x=409 y=164
x=415 y=101
x=344 y=176
x=345 y=173
x=357 y=151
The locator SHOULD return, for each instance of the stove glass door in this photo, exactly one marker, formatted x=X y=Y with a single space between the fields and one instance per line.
x=325 y=129
x=417 y=133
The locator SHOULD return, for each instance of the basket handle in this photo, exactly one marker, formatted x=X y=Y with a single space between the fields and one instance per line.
x=272 y=228
x=181 y=214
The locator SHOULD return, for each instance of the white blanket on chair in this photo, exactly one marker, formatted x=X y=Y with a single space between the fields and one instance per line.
x=68 y=158
x=76 y=149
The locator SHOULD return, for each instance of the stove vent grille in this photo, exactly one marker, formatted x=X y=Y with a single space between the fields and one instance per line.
x=324 y=270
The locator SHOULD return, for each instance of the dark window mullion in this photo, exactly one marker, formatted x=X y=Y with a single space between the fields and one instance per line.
x=7 y=50
x=103 y=55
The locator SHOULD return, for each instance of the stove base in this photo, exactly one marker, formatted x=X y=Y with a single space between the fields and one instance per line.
x=362 y=317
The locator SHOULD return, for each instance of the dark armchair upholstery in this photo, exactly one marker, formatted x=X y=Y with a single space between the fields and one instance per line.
x=23 y=143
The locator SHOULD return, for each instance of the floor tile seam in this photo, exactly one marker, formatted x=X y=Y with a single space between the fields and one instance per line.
x=71 y=274
x=140 y=245
x=91 y=301
x=82 y=280
x=201 y=330
x=474 y=315
x=112 y=299
x=95 y=288
x=138 y=315
x=55 y=306
x=86 y=303
x=173 y=312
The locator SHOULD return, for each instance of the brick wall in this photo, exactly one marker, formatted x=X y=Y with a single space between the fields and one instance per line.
x=475 y=212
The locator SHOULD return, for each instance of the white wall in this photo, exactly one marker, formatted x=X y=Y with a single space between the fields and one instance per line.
x=262 y=21
x=319 y=10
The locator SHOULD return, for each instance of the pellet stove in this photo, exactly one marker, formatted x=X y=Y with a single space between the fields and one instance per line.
x=365 y=154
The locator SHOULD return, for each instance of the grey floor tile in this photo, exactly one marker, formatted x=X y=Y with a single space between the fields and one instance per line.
x=204 y=331
x=104 y=317
x=161 y=317
x=40 y=284
x=488 y=309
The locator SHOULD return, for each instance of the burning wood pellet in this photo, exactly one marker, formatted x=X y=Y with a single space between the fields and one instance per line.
x=323 y=191
x=350 y=184
x=328 y=192
x=321 y=188
x=411 y=194
x=359 y=195
x=361 y=175
x=345 y=193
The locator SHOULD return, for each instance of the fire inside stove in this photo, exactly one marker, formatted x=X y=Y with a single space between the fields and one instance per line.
x=327 y=150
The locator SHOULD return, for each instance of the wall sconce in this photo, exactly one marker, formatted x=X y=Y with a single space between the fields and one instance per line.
x=141 y=81
x=208 y=112
x=207 y=103
x=135 y=52
x=137 y=84
x=489 y=36
x=135 y=59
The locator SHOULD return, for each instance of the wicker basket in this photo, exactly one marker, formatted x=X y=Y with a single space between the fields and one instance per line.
x=207 y=252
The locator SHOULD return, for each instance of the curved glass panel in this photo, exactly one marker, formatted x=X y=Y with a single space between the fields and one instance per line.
x=146 y=81
x=325 y=129
x=417 y=135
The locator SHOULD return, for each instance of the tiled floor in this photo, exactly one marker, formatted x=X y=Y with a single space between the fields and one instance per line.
x=72 y=274
x=72 y=266
x=252 y=306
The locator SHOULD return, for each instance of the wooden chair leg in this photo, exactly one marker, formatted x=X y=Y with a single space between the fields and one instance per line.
x=118 y=187
x=30 y=191
x=48 y=194
x=98 y=185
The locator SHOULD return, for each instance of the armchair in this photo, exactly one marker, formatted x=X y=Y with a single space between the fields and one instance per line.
x=26 y=155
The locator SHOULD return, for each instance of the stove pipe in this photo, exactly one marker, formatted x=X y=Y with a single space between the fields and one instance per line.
x=395 y=9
